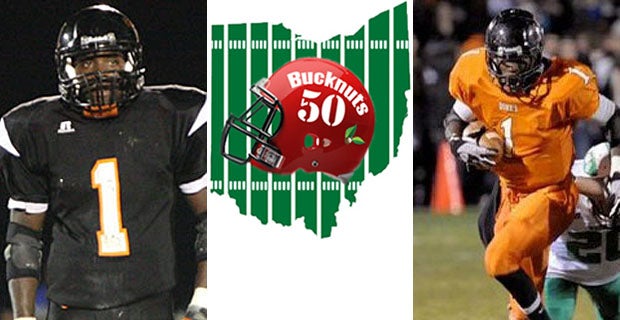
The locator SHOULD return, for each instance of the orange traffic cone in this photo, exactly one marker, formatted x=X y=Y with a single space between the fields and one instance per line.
x=447 y=196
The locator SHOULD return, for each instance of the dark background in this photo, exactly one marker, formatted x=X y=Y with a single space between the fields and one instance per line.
x=173 y=34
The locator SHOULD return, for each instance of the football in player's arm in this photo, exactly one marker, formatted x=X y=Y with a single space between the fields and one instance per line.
x=103 y=160
x=532 y=101
x=586 y=255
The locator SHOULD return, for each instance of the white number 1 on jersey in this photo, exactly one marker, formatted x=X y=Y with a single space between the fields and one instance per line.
x=508 y=144
x=112 y=237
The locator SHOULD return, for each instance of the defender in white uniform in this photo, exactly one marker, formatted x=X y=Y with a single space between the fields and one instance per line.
x=587 y=254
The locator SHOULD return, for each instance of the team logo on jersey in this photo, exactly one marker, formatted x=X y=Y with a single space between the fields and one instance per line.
x=508 y=107
x=65 y=127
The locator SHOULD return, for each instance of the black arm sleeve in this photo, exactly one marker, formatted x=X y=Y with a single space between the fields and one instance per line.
x=201 y=237
x=613 y=128
x=453 y=125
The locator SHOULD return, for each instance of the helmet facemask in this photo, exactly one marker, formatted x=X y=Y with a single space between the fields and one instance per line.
x=524 y=69
x=514 y=51
x=98 y=94
x=92 y=35
x=265 y=112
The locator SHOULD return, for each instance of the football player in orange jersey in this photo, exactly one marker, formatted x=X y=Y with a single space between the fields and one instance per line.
x=532 y=102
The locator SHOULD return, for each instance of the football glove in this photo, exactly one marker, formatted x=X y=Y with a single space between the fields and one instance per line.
x=195 y=313
x=197 y=309
x=472 y=154
x=614 y=200
x=608 y=217
x=604 y=212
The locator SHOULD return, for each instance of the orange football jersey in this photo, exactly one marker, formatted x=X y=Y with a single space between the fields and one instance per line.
x=537 y=129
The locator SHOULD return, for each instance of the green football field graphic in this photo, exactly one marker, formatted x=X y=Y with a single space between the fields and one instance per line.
x=242 y=54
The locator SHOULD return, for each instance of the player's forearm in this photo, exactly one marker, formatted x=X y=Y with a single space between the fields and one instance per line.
x=615 y=162
x=201 y=274
x=23 y=260
x=613 y=126
x=197 y=308
x=200 y=246
x=613 y=134
x=453 y=125
x=23 y=295
x=198 y=203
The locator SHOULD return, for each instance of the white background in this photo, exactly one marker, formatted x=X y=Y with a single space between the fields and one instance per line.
x=365 y=269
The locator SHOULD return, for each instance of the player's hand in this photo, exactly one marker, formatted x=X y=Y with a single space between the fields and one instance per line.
x=197 y=309
x=472 y=154
x=603 y=211
x=195 y=313
x=614 y=201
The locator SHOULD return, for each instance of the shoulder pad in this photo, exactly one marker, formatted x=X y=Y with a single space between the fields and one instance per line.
x=30 y=105
x=182 y=97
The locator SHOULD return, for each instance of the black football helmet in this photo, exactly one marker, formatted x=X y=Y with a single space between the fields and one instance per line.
x=515 y=37
x=99 y=30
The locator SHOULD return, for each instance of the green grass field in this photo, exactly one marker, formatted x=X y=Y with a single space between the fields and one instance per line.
x=449 y=282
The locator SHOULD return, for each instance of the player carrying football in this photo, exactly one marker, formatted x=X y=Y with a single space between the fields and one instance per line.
x=532 y=102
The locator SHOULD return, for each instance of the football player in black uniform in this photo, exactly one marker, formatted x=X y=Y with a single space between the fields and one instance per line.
x=103 y=160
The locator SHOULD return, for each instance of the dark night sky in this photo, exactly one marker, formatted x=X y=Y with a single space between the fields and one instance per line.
x=173 y=35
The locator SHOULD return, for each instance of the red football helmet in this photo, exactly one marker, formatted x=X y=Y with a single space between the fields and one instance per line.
x=326 y=120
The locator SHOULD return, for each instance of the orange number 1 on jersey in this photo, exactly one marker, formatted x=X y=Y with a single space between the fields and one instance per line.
x=112 y=237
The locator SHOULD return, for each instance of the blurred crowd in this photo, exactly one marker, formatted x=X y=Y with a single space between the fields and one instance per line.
x=585 y=30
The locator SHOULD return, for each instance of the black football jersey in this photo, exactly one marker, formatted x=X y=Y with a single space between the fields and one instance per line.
x=109 y=185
